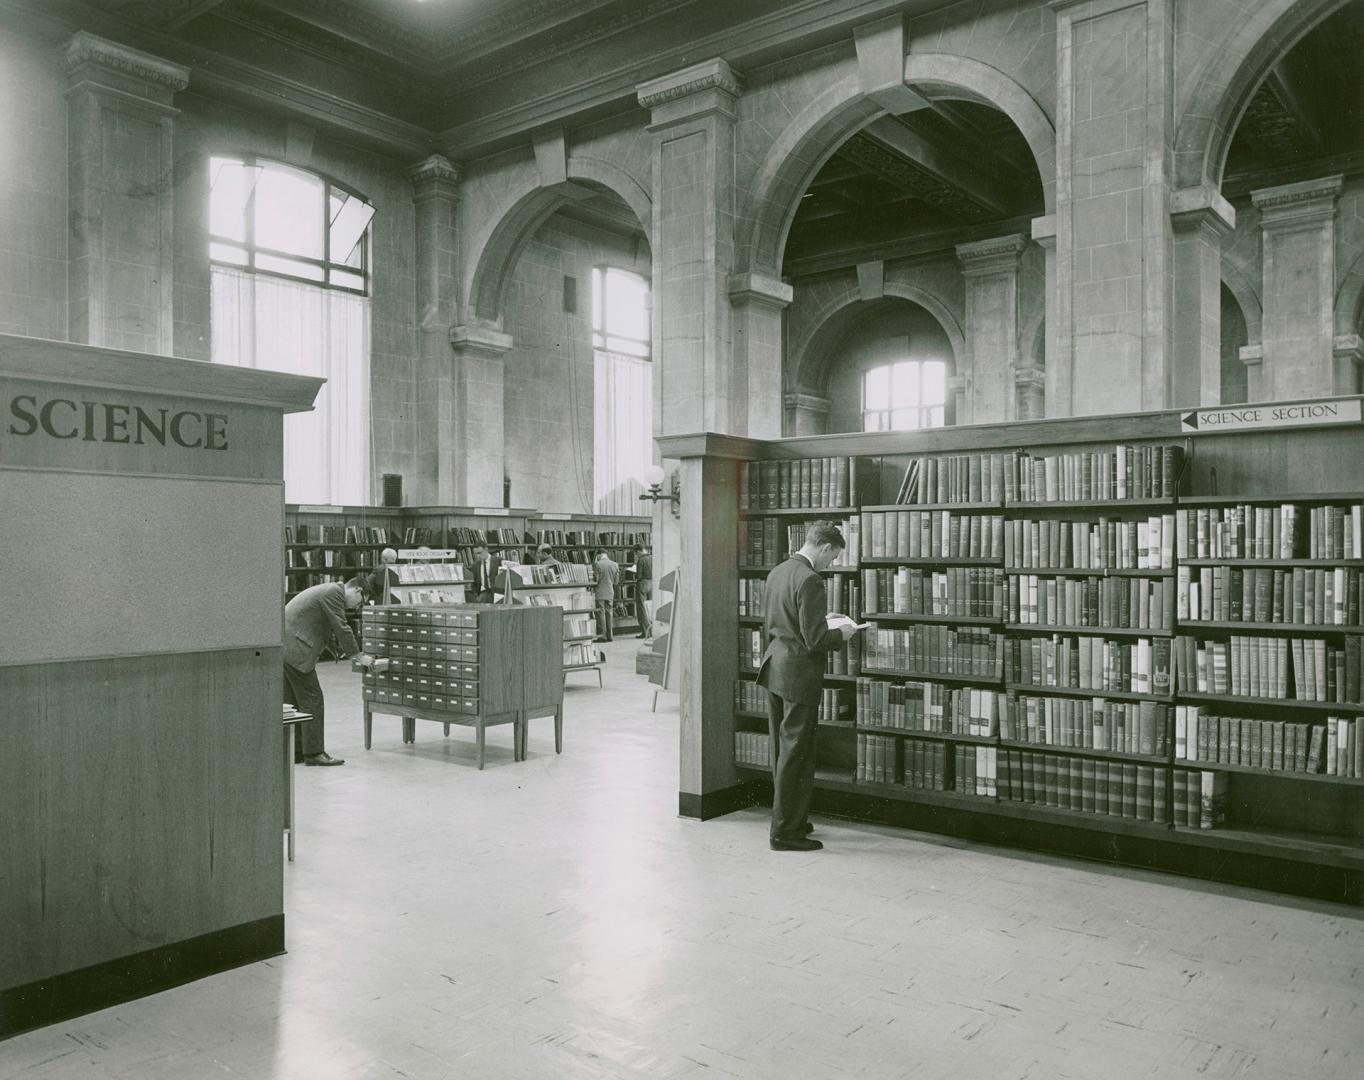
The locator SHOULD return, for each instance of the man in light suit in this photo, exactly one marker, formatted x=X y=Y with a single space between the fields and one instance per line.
x=798 y=639
x=483 y=576
x=313 y=619
x=608 y=573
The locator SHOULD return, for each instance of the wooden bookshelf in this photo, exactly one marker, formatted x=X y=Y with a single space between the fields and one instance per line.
x=1321 y=832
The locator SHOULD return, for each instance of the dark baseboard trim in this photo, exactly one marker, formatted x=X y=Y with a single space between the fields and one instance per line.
x=73 y=993
x=714 y=804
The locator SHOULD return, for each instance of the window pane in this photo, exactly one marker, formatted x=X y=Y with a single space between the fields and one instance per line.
x=350 y=219
x=626 y=345
x=904 y=419
x=347 y=279
x=934 y=382
x=278 y=265
x=230 y=185
x=936 y=417
x=289 y=211
x=876 y=388
x=871 y=421
x=627 y=305
x=228 y=253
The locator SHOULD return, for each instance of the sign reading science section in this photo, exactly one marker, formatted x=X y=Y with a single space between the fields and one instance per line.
x=1273 y=415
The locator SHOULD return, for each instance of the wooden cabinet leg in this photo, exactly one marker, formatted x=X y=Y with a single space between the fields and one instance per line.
x=447 y=731
x=480 y=742
x=369 y=726
x=559 y=729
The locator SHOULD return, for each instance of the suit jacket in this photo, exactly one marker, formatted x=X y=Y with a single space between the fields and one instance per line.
x=312 y=619
x=481 y=583
x=797 y=635
x=608 y=573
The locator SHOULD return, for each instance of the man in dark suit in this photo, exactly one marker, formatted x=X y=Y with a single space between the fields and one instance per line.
x=483 y=576
x=313 y=619
x=644 y=590
x=798 y=639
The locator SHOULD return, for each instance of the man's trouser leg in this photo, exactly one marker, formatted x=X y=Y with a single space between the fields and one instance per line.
x=793 y=728
x=305 y=692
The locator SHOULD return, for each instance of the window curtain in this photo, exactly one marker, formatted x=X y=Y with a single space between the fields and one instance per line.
x=623 y=435
x=267 y=322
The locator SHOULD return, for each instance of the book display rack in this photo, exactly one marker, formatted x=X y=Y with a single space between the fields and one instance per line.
x=1075 y=639
x=545 y=586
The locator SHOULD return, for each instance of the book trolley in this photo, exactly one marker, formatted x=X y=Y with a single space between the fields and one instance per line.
x=1109 y=636
x=473 y=665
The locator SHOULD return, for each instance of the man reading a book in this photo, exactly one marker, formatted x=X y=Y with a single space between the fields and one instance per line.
x=799 y=635
x=314 y=619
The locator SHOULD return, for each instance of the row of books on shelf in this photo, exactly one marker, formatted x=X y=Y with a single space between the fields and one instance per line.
x=330 y=558
x=1131 y=603
x=580 y=626
x=943 y=650
x=814 y=483
x=1104 y=544
x=607 y=538
x=1085 y=662
x=752 y=597
x=1271 y=531
x=1124 y=472
x=1305 y=595
x=1332 y=748
x=930 y=534
x=581 y=654
x=767 y=541
x=1137 y=792
x=568 y=600
x=975 y=592
x=1295 y=669
x=339 y=534
x=426 y=594
x=928 y=707
x=418 y=573
x=835 y=703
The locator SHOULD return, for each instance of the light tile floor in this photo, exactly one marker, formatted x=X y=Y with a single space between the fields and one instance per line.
x=556 y=919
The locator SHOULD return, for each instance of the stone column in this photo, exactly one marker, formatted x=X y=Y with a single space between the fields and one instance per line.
x=1057 y=353
x=1200 y=217
x=991 y=271
x=120 y=124
x=692 y=122
x=476 y=434
x=1349 y=356
x=435 y=196
x=1298 y=221
x=1030 y=393
x=806 y=414
x=757 y=305
x=1114 y=140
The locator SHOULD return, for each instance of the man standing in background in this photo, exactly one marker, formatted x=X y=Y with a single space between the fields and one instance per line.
x=484 y=575
x=798 y=637
x=644 y=591
x=313 y=619
x=387 y=558
x=608 y=573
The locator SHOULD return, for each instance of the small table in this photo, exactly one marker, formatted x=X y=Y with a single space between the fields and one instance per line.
x=292 y=718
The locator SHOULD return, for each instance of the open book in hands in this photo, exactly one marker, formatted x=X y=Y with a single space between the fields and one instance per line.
x=837 y=622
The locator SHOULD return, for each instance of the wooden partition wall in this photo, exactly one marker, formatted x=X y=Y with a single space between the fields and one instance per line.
x=141 y=514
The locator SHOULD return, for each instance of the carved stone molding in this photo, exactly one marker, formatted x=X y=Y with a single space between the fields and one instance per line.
x=707 y=75
x=85 y=48
x=1030 y=376
x=435 y=176
x=813 y=403
x=756 y=288
x=1199 y=207
x=1302 y=203
x=1252 y=355
x=1000 y=253
x=480 y=340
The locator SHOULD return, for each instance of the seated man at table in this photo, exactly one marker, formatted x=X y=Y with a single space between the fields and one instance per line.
x=314 y=619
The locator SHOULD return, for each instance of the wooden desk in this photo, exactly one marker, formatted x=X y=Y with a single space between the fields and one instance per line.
x=472 y=665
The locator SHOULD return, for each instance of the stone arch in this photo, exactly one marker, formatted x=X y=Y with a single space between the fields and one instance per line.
x=1247 y=298
x=530 y=206
x=1350 y=299
x=1225 y=85
x=813 y=135
x=809 y=368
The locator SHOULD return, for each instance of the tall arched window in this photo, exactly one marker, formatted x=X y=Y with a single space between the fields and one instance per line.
x=289 y=252
x=904 y=396
x=623 y=413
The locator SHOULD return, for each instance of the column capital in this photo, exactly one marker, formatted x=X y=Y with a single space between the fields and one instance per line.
x=1252 y=355
x=815 y=403
x=1044 y=231
x=91 y=59
x=1306 y=202
x=434 y=176
x=1201 y=207
x=1000 y=253
x=708 y=87
x=480 y=340
x=759 y=289
x=1030 y=376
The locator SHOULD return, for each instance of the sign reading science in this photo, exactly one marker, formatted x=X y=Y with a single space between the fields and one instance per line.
x=1273 y=415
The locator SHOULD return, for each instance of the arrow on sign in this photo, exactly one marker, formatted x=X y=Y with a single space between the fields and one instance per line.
x=1190 y=421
